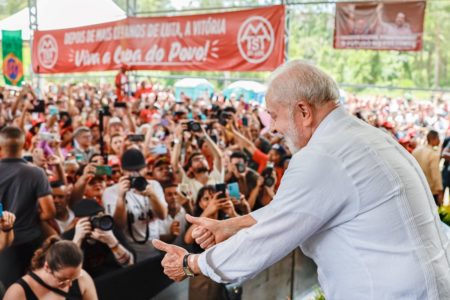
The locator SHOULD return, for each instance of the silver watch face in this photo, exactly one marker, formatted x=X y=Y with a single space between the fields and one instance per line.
x=188 y=272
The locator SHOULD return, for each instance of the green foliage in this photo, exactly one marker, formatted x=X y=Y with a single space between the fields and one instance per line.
x=311 y=38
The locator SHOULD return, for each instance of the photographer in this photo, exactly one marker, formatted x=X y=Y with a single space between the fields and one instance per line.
x=88 y=185
x=246 y=178
x=198 y=173
x=275 y=156
x=104 y=246
x=136 y=204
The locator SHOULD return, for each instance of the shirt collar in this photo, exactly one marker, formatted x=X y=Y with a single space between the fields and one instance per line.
x=328 y=123
x=13 y=160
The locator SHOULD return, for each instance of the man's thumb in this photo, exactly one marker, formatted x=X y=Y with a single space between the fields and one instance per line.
x=194 y=220
x=160 y=245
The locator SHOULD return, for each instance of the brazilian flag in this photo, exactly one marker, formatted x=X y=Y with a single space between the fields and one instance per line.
x=12 y=57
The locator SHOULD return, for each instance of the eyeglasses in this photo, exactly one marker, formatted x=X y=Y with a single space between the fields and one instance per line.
x=59 y=196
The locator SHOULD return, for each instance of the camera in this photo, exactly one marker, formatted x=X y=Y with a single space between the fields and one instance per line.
x=194 y=126
x=104 y=222
x=268 y=178
x=139 y=183
x=224 y=117
x=240 y=167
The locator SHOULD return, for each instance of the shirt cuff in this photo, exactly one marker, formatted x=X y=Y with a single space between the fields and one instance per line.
x=205 y=268
x=257 y=214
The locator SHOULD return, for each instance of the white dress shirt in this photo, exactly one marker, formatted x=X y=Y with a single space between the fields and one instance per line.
x=359 y=205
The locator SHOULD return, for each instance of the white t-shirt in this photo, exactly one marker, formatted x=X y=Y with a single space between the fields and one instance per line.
x=164 y=225
x=138 y=206
x=62 y=225
x=215 y=177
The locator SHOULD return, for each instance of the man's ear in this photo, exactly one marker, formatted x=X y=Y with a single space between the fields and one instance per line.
x=306 y=111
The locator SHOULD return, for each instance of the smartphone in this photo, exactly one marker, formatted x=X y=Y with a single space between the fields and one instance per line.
x=120 y=104
x=136 y=137
x=47 y=136
x=38 y=107
x=1 y=210
x=160 y=149
x=233 y=190
x=53 y=110
x=103 y=170
x=79 y=157
x=245 y=121
x=221 y=187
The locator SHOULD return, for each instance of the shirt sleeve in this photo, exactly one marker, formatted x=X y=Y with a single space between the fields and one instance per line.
x=42 y=184
x=315 y=194
x=159 y=192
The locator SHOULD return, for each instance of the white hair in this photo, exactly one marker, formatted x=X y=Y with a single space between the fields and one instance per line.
x=299 y=80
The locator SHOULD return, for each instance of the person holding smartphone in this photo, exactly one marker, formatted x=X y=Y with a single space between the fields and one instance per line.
x=210 y=204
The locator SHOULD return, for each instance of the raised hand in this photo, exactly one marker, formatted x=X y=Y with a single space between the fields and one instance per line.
x=172 y=261
x=209 y=232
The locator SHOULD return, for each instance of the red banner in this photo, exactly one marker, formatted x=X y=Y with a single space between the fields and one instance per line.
x=379 y=26
x=248 y=40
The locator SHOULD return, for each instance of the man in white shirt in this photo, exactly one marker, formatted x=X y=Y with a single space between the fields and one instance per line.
x=352 y=198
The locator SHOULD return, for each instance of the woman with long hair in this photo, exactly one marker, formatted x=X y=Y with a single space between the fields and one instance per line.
x=56 y=274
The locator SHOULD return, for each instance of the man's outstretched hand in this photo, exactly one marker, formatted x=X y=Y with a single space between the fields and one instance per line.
x=172 y=261
x=209 y=232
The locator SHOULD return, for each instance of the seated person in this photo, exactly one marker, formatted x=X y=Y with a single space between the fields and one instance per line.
x=105 y=249
x=56 y=274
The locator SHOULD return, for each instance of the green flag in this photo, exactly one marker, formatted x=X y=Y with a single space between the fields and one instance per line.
x=12 y=57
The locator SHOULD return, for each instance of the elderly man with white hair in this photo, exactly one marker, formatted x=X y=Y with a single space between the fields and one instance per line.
x=352 y=198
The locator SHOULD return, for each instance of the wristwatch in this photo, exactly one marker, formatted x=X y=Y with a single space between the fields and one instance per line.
x=187 y=271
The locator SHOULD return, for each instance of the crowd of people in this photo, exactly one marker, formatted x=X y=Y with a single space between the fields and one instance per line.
x=98 y=174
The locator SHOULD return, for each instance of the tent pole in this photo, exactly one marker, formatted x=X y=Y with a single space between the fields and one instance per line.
x=33 y=25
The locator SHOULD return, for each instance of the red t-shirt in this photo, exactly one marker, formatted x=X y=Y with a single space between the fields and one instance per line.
x=261 y=159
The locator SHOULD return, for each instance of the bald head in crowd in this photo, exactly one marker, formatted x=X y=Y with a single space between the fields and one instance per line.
x=12 y=140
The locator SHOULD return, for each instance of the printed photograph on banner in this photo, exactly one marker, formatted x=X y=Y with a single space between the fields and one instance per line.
x=379 y=25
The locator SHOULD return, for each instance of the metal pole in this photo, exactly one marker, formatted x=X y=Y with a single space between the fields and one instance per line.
x=33 y=25
x=287 y=31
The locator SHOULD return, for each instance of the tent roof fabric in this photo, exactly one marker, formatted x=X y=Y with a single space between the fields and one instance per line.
x=248 y=85
x=60 y=14
x=192 y=82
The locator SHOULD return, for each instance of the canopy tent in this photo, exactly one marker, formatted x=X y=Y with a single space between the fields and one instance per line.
x=59 y=14
x=250 y=90
x=193 y=88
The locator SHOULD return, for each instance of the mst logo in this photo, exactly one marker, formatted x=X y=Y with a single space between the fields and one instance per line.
x=256 y=39
x=47 y=51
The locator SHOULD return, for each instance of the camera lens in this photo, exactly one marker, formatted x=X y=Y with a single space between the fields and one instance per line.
x=240 y=168
x=139 y=183
x=269 y=181
x=104 y=223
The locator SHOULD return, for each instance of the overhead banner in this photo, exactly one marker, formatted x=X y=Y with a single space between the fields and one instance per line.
x=12 y=57
x=248 y=40
x=389 y=25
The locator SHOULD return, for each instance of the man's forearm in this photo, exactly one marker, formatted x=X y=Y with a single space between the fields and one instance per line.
x=234 y=225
